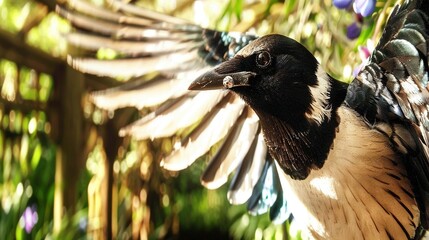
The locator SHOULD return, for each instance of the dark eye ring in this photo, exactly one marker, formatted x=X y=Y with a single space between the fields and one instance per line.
x=263 y=59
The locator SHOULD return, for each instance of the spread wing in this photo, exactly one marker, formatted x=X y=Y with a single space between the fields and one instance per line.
x=162 y=55
x=391 y=92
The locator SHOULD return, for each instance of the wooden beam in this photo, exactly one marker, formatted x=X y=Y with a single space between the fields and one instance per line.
x=70 y=159
x=111 y=143
x=14 y=48
x=25 y=106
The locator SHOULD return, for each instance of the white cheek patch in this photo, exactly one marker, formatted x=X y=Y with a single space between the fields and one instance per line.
x=320 y=107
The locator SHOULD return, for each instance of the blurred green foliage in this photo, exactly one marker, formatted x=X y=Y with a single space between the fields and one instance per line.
x=28 y=160
x=14 y=13
x=50 y=30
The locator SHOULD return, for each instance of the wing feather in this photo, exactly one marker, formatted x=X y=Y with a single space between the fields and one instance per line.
x=120 y=26
x=212 y=129
x=172 y=120
x=141 y=93
x=145 y=13
x=133 y=67
x=232 y=150
x=95 y=11
x=266 y=190
x=162 y=55
x=392 y=90
x=126 y=47
x=248 y=172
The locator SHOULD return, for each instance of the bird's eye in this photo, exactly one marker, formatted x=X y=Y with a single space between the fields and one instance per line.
x=263 y=59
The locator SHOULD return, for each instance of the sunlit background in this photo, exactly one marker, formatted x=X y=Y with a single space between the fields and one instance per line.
x=65 y=173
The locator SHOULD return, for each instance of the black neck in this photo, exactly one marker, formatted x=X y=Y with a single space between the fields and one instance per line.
x=300 y=145
x=298 y=150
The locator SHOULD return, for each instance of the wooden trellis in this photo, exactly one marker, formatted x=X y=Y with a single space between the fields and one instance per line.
x=64 y=120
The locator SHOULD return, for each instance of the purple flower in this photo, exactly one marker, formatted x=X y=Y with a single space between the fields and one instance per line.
x=353 y=30
x=364 y=7
x=342 y=4
x=29 y=218
x=357 y=69
x=83 y=223
x=364 y=53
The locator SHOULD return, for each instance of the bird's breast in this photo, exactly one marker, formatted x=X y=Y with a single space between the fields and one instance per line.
x=361 y=192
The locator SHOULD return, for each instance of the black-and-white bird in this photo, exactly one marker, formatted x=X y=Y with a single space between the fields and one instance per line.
x=352 y=160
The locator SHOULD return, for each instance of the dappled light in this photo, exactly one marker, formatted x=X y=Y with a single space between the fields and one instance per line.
x=69 y=170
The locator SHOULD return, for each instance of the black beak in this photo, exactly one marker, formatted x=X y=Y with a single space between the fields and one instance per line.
x=221 y=78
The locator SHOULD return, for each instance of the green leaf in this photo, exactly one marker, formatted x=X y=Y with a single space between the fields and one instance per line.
x=366 y=33
x=289 y=5
x=238 y=9
x=36 y=156
x=19 y=232
x=107 y=54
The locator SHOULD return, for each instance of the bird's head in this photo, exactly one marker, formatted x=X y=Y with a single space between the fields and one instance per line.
x=276 y=76
x=293 y=97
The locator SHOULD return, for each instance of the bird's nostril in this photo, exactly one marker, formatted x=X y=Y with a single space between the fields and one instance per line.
x=228 y=82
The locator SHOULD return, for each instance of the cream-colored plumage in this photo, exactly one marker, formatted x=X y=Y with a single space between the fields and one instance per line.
x=362 y=191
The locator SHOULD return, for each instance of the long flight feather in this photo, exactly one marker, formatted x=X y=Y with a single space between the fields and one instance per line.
x=248 y=173
x=101 y=13
x=181 y=115
x=120 y=31
x=128 y=48
x=179 y=61
x=208 y=133
x=146 y=94
x=232 y=151
x=141 y=12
